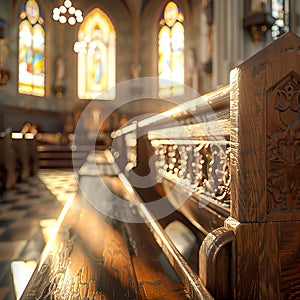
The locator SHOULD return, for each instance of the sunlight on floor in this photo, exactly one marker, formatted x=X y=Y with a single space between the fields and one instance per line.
x=47 y=226
x=21 y=273
x=63 y=185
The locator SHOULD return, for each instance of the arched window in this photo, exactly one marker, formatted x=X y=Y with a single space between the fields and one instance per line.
x=171 y=51
x=96 y=48
x=31 y=50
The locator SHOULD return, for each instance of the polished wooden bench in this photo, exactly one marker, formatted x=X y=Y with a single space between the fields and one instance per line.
x=32 y=145
x=179 y=158
x=9 y=172
x=55 y=151
x=229 y=163
x=93 y=256
x=226 y=166
x=18 y=157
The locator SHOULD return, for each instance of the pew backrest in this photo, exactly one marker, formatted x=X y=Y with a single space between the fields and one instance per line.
x=236 y=153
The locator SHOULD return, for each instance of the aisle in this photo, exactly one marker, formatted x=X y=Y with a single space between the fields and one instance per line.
x=94 y=256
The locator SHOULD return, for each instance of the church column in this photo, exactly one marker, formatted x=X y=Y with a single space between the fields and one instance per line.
x=228 y=38
x=219 y=56
x=135 y=10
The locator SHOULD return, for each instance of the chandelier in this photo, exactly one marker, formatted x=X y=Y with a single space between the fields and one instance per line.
x=67 y=13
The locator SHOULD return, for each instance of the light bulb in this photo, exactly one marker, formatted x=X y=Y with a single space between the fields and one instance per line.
x=62 y=19
x=68 y=3
x=79 y=19
x=72 y=21
x=71 y=10
x=56 y=11
x=63 y=9
x=78 y=13
x=56 y=17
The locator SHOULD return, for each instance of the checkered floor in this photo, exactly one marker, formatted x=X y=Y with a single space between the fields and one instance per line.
x=27 y=214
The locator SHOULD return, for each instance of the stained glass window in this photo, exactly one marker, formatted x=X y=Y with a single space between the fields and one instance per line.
x=96 y=48
x=171 y=51
x=280 y=11
x=31 y=50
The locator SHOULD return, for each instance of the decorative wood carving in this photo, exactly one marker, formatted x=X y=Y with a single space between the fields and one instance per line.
x=201 y=167
x=265 y=135
x=283 y=148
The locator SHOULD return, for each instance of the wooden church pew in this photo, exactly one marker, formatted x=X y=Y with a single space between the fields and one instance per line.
x=234 y=169
x=32 y=144
x=18 y=157
x=89 y=255
x=183 y=145
x=8 y=161
x=236 y=180
x=23 y=156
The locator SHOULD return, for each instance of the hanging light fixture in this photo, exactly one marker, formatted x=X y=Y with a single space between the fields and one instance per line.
x=67 y=13
x=259 y=21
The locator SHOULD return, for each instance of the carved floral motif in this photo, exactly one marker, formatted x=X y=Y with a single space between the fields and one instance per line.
x=283 y=149
x=284 y=170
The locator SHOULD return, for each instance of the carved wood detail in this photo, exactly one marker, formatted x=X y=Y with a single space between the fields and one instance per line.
x=202 y=167
x=283 y=146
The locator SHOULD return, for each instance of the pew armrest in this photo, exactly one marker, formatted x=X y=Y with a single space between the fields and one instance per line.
x=214 y=262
